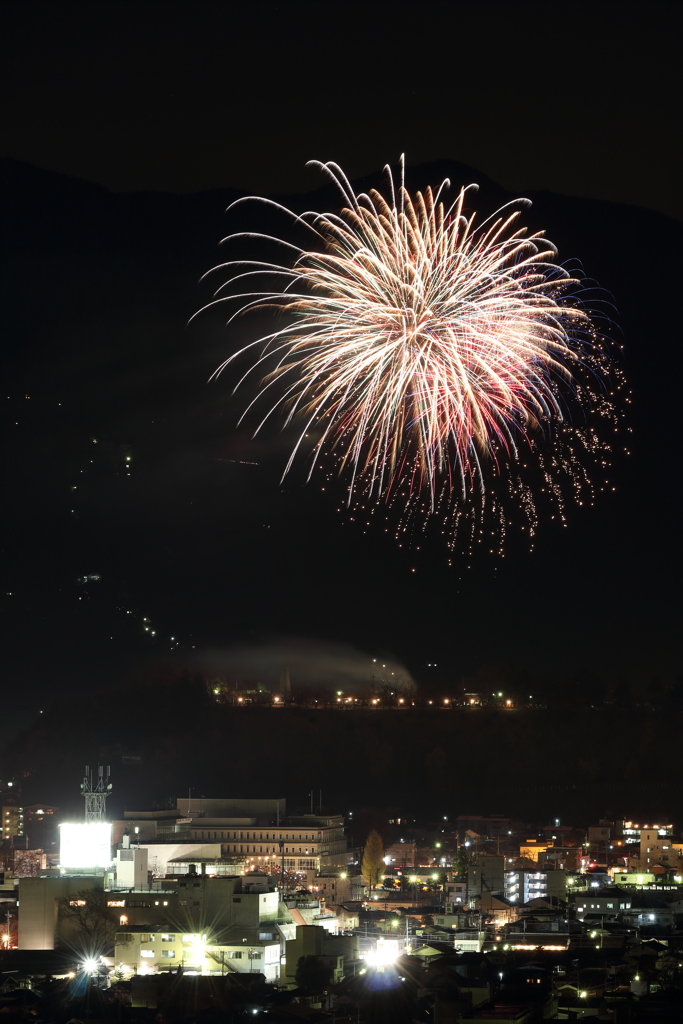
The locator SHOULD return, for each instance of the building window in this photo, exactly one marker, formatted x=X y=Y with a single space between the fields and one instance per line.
x=168 y=953
x=232 y=955
x=167 y=938
x=147 y=954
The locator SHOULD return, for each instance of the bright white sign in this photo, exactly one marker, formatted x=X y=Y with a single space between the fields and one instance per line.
x=85 y=846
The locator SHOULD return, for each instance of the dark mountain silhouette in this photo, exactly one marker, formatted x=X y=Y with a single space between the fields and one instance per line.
x=200 y=539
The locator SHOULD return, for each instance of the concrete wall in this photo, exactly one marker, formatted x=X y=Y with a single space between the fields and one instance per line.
x=38 y=924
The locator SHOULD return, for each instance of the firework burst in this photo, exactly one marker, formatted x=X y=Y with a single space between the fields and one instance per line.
x=430 y=355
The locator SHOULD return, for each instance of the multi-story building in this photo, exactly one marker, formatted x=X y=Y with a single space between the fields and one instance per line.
x=343 y=887
x=141 y=951
x=487 y=875
x=522 y=885
x=256 y=832
x=310 y=940
x=217 y=924
x=630 y=831
x=656 y=847
x=597 y=845
x=40 y=825
x=566 y=858
x=12 y=818
x=42 y=927
x=401 y=854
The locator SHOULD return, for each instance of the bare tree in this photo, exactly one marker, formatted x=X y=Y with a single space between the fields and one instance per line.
x=94 y=923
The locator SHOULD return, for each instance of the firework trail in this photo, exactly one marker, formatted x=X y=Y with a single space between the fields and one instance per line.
x=427 y=353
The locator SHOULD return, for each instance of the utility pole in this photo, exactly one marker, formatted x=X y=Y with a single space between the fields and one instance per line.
x=281 y=844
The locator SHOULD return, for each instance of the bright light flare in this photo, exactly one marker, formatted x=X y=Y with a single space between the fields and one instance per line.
x=85 y=845
x=386 y=952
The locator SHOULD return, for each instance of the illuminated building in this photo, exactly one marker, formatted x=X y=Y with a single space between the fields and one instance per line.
x=257 y=834
x=12 y=818
x=532 y=848
x=609 y=903
x=522 y=885
x=656 y=847
x=213 y=925
x=40 y=825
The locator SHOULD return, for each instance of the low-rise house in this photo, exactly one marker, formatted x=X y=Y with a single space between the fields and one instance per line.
x=607 y=903
x=456 y=892
x=500 y=910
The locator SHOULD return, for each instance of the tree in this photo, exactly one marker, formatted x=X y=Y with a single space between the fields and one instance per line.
x=313 y=974
x=373 y=859
x=461 y=862
x=93 y=921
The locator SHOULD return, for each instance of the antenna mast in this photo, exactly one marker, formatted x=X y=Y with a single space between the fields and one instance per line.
x=95 y=790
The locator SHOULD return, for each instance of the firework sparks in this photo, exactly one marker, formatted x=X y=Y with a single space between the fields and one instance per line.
x=429 y=354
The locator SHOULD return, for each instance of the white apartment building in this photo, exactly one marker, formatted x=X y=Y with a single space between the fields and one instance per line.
x=522 y=885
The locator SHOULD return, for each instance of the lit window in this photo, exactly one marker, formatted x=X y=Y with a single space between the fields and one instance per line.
x=147 y=954
x=167 y=938
x=168 y=953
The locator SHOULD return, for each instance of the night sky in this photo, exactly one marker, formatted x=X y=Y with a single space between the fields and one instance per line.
x=127 y=130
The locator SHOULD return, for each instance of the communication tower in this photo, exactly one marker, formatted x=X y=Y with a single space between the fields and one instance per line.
x=95 y=789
